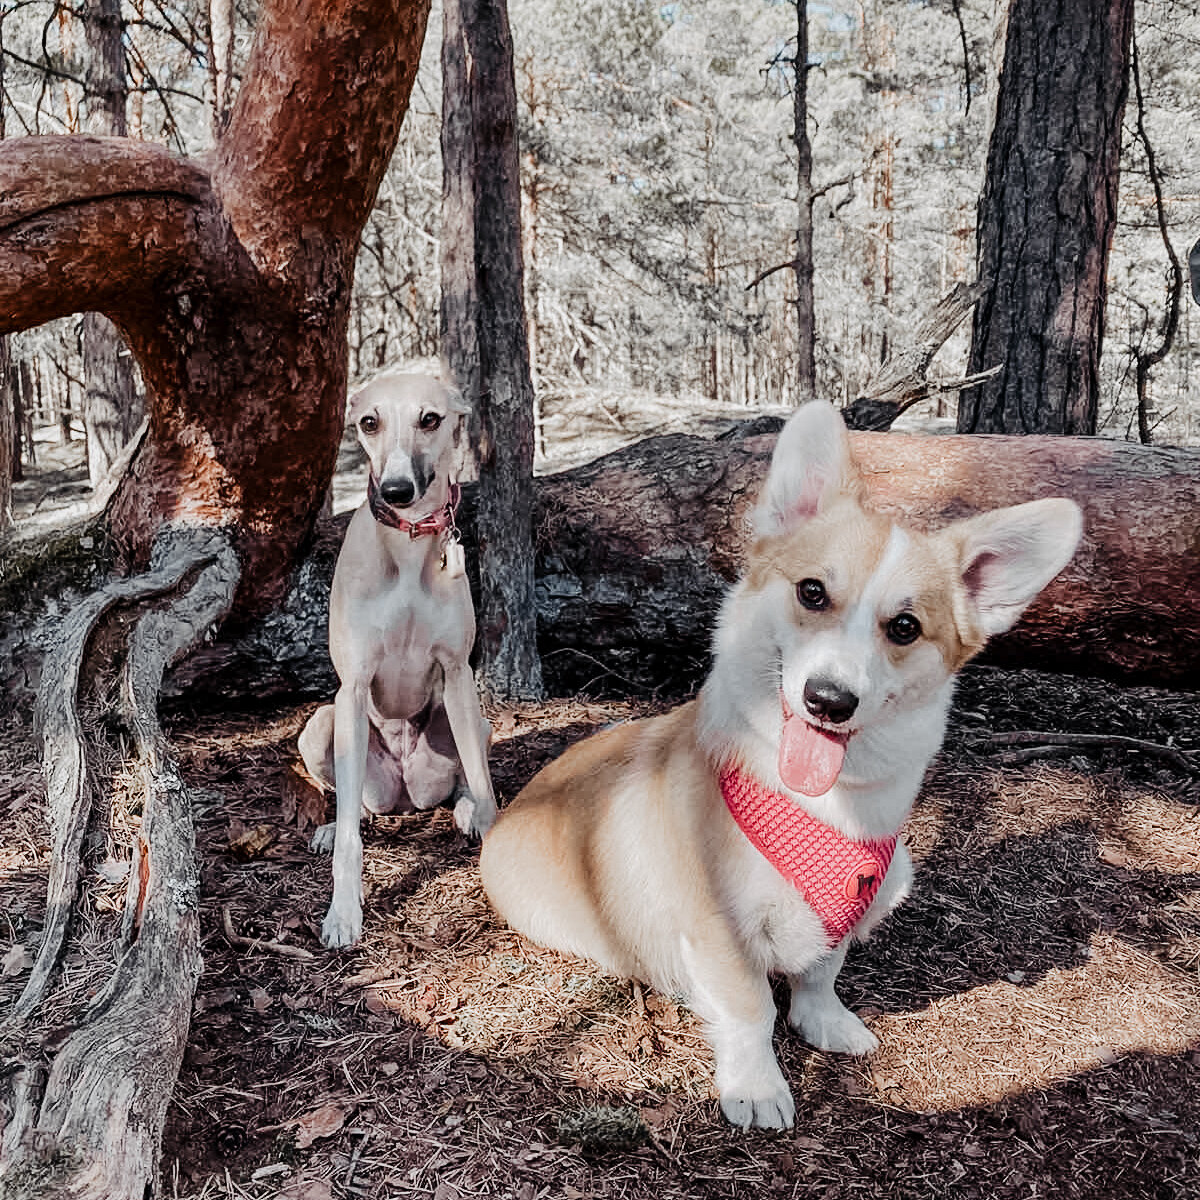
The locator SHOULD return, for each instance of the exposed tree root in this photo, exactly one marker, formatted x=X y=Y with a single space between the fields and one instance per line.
x=85 y=1112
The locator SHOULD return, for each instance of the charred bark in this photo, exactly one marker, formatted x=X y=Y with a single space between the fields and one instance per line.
x=483 y=327
x=1047 y=216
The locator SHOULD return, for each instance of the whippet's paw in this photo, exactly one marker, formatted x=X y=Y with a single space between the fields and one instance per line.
x=474 y=817
x=321 y=841
x=831 y=1027
x=342 y=926
x=765 y=1107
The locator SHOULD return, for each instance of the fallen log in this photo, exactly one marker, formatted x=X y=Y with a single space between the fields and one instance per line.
x=635 y=550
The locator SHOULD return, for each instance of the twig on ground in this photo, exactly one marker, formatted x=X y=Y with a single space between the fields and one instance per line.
x=1084 y=741
x=238 y=939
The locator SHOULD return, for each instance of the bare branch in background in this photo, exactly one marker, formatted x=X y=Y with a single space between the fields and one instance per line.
x=1146 y=360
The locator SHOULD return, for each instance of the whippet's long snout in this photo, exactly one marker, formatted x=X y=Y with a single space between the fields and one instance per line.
x=399 y=490
x=405 y=478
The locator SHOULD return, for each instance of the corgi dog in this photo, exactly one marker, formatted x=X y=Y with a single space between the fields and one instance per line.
x=756 y=829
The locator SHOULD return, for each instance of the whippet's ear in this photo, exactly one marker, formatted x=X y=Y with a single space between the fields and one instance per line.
x=1007 y=556
x=355 y=403
x=811 y=462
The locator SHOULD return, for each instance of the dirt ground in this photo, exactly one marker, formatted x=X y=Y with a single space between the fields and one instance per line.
x=1037 y=1000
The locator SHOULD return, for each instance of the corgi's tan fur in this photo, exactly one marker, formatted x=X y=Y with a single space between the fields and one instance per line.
x=624 y=851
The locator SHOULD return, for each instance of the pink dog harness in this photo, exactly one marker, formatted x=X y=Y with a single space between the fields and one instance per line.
x=837 y=875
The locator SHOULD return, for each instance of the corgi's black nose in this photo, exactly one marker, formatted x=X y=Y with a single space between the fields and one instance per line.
x=398 y=491
x=827 y=701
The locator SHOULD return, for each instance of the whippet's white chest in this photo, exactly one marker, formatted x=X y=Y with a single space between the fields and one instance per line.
x=403 y=632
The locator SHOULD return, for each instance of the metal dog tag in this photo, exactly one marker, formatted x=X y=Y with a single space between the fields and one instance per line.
x=454 y=561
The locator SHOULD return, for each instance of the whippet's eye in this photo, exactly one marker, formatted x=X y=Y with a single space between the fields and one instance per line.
x=369 y=423
x=430 y=421
x=903 y=629
x=812 y=594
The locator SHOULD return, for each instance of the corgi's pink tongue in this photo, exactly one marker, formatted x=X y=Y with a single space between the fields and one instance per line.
x=809 y=758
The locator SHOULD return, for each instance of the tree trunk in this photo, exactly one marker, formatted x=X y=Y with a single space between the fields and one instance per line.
x=636 y=549
x=221 y=16
x=10 y=456
x=483 y=327
x=1146 y=359
x=237 y=309
x=802 y=265
x=112 y=409
x=1047 y=215
x=231 y=282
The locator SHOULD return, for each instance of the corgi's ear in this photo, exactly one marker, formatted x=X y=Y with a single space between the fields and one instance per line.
x=811 y=460
x=1009 y=555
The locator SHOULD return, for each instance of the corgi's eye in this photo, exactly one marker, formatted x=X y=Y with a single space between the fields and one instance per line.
x=903 y=629
x=369 y=423
x=430 y=421
x=812 y=594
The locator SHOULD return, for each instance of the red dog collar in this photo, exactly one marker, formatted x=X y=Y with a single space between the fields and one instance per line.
x=435 y=522
x=838 y=876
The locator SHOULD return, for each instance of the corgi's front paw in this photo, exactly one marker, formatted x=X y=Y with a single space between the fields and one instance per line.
x=752 y=1087
x=342 y=926
x=831 y=1027
x=473 y=816
x=765 y=1107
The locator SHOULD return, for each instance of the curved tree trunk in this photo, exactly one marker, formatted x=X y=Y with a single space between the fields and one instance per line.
x=231 y=284
x=236 y=308
x=1047 y=216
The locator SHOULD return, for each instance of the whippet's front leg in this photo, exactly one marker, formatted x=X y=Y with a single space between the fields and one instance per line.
x=351 y=734
x=474 y=812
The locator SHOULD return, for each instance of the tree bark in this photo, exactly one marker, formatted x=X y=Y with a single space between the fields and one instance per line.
x=10 y=457
x=1047 y=216
x=636 y=550
x=483 y=327
x=231 y=284
x=802 y=265
x=236 y=308
x=221 y=19
x=112 y=408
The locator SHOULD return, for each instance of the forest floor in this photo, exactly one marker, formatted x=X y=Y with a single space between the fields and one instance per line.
x=1037 y=1000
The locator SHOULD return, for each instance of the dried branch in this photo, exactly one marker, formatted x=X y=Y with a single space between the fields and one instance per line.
x=1098 y=741
x=272 y=947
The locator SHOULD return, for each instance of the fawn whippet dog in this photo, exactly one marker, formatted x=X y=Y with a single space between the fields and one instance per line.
x=405 y=730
